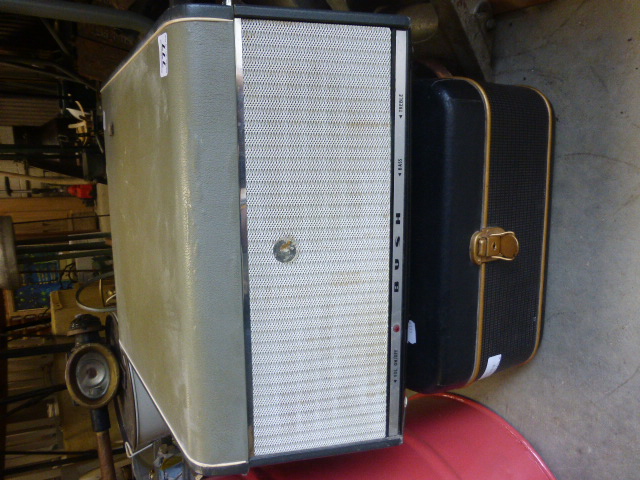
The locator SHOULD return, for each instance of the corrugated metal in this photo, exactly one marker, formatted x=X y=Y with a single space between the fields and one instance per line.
x=25 y=37
x=18 y=31
x=22 y=35
x=20 y=81
x=27 y=112
x=11 y=25
x=14 y=73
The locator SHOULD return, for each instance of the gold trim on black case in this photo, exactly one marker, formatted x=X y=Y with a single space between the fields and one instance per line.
x=485 y=219
x=545 y=238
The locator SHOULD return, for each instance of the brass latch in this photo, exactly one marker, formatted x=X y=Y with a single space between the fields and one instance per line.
x=493 y=243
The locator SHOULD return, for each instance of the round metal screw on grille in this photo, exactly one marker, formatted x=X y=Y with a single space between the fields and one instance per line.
x=285 y=250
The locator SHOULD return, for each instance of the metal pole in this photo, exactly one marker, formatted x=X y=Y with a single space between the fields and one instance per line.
x=56 y=37
x=51 y=452
x=78 y=12
x=73 y=270
x=63 y=238
x=27 y=404
x=52 y=149
x=59 y=247
x=34 y=351
x=47 y=465
x=66 y=219
x=101 y=424
x=64 y=168
x=31 y=63
x=33 y=393
x=62 y=256
x=28 y=96
x=105 y=454
x=22 y=326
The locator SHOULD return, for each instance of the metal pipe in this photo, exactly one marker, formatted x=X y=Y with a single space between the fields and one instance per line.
x=36 y=63
x=33 y=393
x=34 y=351
x=78 y=12
x=30 y=88
x=49 y=180
x=27 y=404
x=101 y=425
x=63 y=238
x=27 y=68
x=47 y=465
x=51 y=149
x=51 y=452
x=18 y=336
x=22 y=326
x=28 y=96
x=51 y=164
x=22 y=259
x=105 y=454
x=65 y=219
x=59 y=247
x=74 y=270
x=56 y=37
x=19 y=156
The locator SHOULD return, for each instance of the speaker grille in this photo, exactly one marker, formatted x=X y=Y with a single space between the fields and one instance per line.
x=517 y=201
x=317 y=121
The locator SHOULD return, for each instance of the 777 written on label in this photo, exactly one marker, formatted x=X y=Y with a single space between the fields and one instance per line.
x=163 y=50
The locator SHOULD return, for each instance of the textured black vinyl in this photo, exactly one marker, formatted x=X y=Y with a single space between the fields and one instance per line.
x=517 y=198
x=450 y=131
x=447 y=171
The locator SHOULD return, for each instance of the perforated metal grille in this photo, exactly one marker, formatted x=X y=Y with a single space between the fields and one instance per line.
x=318 y=158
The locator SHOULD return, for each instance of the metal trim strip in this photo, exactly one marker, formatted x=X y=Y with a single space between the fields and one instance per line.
x=322 y=16
x=485 y=219
x=135 y=399
x=244 y=236
x=207 y=469
x=393 y=414
x=545 y=232
x=133 y=375
x=398 y=232
x=392 y=103
x=324 y=452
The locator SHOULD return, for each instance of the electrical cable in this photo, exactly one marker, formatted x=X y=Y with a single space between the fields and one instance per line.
x=66 y=271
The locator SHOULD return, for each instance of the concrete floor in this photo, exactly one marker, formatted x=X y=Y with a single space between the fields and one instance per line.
x=578 y=401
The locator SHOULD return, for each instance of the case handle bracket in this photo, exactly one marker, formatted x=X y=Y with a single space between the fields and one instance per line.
x=493 y=243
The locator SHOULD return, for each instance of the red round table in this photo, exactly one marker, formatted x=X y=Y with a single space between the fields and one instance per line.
x=447 y=437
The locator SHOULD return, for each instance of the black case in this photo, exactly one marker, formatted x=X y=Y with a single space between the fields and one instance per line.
x=481 y=160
